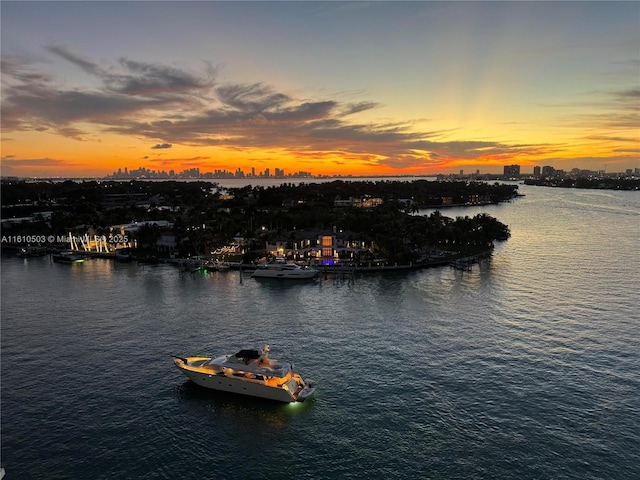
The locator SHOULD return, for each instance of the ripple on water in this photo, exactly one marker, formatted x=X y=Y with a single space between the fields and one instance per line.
x=525 y=367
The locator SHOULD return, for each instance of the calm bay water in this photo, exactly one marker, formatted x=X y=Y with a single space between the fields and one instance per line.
x=526 y=367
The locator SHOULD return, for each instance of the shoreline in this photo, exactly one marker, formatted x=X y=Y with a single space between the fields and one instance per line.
x=460 y=261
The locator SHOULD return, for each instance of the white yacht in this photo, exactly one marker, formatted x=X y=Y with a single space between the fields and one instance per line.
x=248 y=372
x=282 y=269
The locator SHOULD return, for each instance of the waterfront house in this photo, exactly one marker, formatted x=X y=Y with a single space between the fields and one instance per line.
x=320 y=245
x=367 y=201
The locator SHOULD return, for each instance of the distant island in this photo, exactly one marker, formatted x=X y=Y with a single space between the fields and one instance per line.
x=339 y=221
x=600 y=182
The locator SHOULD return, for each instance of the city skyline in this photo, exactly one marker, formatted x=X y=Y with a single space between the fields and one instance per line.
x=328 y=88
x=508 y=171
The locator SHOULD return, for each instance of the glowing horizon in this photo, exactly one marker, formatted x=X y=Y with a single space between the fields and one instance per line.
x=331 y=88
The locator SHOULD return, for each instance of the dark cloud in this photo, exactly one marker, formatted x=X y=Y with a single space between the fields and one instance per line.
x=161 y=146
x=251 y=98
x=34 y=106
x=150 y=79
x=35 y=101
x=609 y=110
x=305 y=112
x=88 y=66
x=138 y=78
x=630 y=96
x=16 y=70
x=353 y=108
x=625 y=109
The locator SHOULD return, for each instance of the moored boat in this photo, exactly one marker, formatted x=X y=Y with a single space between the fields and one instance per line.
x=67 y=257
x=122 y=254
x=248 y=372
x=30 y=251
x=283 y=269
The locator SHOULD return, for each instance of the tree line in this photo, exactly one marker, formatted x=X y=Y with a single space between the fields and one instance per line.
x=205 y=216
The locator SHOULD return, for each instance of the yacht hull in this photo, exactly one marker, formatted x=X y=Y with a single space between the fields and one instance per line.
x=284 y=270
x=290 y=275
x=234 y=385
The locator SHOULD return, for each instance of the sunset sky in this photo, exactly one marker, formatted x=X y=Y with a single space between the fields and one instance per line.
x=364 y=88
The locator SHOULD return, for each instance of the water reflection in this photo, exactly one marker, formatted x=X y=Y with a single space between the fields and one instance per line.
x=523 y=355
x=281 y=285
x=253 y=413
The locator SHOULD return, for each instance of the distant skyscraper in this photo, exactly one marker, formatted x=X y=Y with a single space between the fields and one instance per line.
x=548 y=171
x=536 y=171
x=512 y=171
